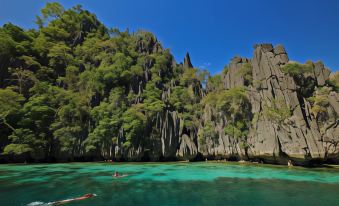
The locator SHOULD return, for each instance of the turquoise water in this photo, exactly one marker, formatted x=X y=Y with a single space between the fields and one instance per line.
x=168 y=184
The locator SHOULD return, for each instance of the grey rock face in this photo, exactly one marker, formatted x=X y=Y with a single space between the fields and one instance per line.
x=168 y=126
x=187 y=61
x=232 y=78
x=188 y=149
x=271 y=139
x=300 y=137
x=330 y=130
x=321 y=73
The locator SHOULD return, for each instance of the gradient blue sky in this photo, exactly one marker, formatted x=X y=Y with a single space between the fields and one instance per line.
x=213 y=31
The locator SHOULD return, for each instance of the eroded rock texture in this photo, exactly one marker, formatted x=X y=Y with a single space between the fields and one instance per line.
x=303 y=137
x=300 y=137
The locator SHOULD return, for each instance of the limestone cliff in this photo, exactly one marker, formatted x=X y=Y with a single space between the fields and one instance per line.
x=79 y=91
x=302 y=137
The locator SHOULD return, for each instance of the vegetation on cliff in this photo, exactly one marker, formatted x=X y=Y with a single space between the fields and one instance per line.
x=74 y=89
x=73 y=86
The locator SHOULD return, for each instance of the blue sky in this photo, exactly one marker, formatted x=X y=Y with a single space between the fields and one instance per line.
x=213 y=31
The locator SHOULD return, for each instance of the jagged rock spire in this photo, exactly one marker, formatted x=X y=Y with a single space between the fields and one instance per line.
x=187 y=61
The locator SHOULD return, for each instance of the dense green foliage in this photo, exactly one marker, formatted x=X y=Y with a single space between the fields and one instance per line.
x=246 y=72
x=74 y=87
x=295 y=69
x=334 y=81
x=300 y=73
x=277 y=112
x=320 y=103
x=235 y=106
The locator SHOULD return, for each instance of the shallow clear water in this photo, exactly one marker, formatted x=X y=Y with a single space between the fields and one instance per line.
x=169 y=184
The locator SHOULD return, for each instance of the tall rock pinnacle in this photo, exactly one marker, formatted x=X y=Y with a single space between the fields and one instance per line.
x=187 y=61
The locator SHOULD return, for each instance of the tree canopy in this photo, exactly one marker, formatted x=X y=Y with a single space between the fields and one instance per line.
x=74 y=89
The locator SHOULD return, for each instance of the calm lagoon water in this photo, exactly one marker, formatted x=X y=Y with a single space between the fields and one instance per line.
x=168 y=184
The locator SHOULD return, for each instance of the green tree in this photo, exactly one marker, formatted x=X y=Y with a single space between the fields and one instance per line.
x=319 y=103
x=17 y=149
x=214 y=83
x=134 y=122
x=108 y=121
x=334 y=81
x=60 y=55
x=10 y=102
x=153 y=102
x=208 y=131
x=236 y=106
x=51 y=11
x=22 y=77
x=278 y=112
x=295 y=69
x=246 y=72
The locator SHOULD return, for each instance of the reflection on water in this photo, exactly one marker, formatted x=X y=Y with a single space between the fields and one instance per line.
x=168 y=184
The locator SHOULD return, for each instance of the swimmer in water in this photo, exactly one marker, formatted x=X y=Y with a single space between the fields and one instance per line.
x=73 y=199
x=61 y=202
x=117 y=175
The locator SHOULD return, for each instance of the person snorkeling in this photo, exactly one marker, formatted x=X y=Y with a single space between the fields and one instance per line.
x=86 y=196
x=117 y=175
